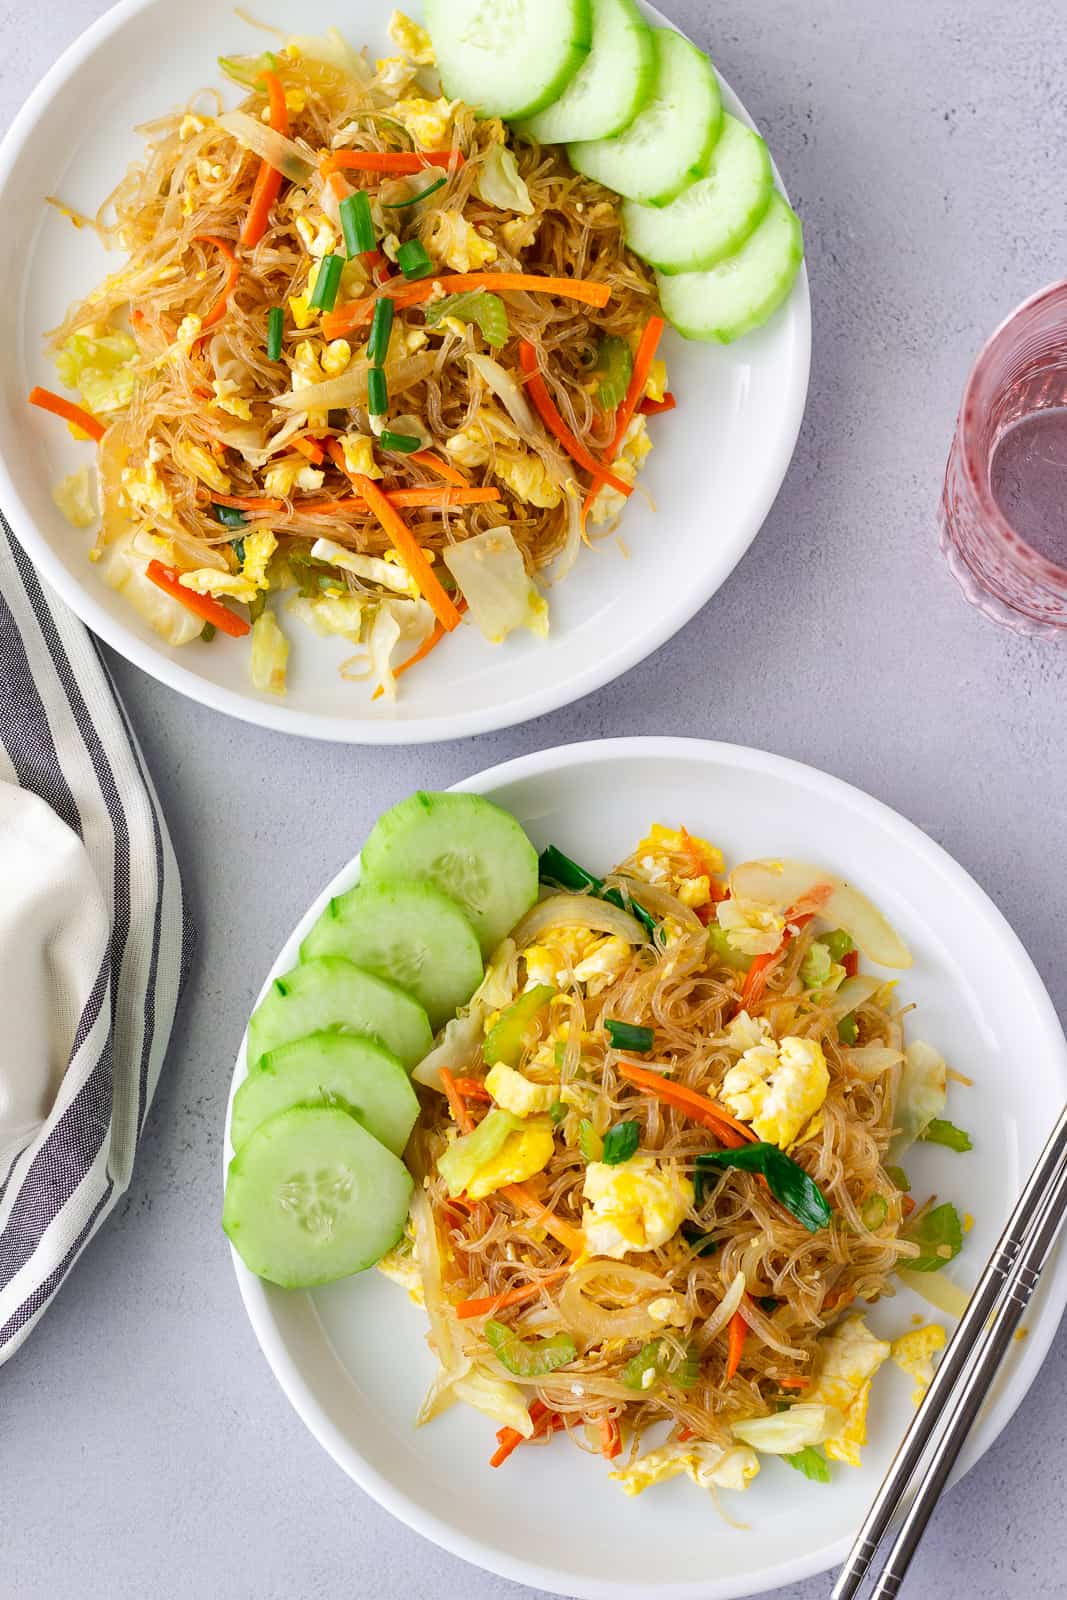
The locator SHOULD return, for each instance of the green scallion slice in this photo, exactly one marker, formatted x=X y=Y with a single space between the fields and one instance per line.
x=413 y=260
x=380 y=331
x=275 y=324
x=625 y=1036
x=377 y=392
x=398 y=205
x=229 y=516
x=404 y=444
x=207 y=632
x=327 y=283
x=357 y=224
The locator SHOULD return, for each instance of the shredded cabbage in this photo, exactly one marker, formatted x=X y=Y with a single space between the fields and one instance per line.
x=789 y=1431
x=100 y=365
x=124 y=570
x=921 y=1095
x=330 y=47
x=270 y=654
x=499 y=183
x=74 y=497
x=493 y=580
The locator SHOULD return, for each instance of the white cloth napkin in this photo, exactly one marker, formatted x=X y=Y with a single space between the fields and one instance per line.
x=94 y=945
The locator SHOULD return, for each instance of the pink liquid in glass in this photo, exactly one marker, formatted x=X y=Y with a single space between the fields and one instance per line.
x=1028 y=476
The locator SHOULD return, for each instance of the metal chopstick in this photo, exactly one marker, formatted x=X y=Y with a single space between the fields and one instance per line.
x=956 y=1357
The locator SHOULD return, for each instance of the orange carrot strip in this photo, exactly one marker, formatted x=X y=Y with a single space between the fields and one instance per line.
x=404 y=542
x=697 y=1106
x=472 y=1089
x=432 y=640
x=793 y=1383
x=358 y=312
x=242 y=502
x=202 y=605
x=59 y=407
x=654 y=408
x=557 y=1226
x=537 y=389
x=218 y=310
x=611 y=1437
x=443 y=469
x=646 y=353
x=460 y=1115
x=390 y=160
x=310 y=448
x=758 y=973
x=268 y=182
x=544 y=1421
x=431 y=499
x=493 y=1303
x=737 y=1336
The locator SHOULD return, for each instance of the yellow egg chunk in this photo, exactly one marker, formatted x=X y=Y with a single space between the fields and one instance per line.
x=777 y=1088
x=411 y=39
x=752 y=928
x=851 y=1355
x=515 y=1093
x=637 y=1205
x=709 y=1466
x=524 y=1152
x=914 y=1354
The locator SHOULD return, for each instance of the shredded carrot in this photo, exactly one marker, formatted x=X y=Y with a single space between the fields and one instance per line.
x=202 y=605
x=544 y=1421
x=243 y=502
x=432 y=640
x=310 y=448
x=793 y=1382
x=402 y=161
x=758 y=973
x=685 y=1434
x=567 y=1234
x=472 y=1089
x=218 y=310
x=409 y=551
x=643 y=359
x=268 y=180
x=60 y=407
x=443 y=469
x=356 y=313
x=697 y=1106
x=611 y=1437
x=493 y=1303
x=460 y=1115
x=430 y=498
x=537 y=389
x=737 y=1335
x=654 y=408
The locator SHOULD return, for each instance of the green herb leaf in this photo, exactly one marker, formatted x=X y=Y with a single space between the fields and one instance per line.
x=589 y=1141
x=614 y=367
x=768 y=1303
x=703 y=1243
x=474 y=305
x=811 y=1462
x=898 y=1176
x=620 y=1143
x=941 y=1131
x=939 y=1234
x=560 y=871
x=531 y=1359
x=229 y=516
x=626 y=1036
x=787 y=1181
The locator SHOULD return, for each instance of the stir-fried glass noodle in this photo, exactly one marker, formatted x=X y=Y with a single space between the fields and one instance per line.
x=365 y=351
x=662 y=1171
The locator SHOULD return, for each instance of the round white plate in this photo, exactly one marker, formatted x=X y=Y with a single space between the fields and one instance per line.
x=738 y=419
x=352 y=1359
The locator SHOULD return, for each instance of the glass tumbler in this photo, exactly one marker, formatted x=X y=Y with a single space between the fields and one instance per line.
x=1021 y=371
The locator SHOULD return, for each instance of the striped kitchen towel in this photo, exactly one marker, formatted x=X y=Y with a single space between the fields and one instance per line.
x=94 y=944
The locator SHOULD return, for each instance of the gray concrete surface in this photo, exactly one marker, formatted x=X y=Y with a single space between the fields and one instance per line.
x=145 y=1449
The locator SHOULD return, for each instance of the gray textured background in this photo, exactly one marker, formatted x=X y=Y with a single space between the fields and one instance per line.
x=145 y=1449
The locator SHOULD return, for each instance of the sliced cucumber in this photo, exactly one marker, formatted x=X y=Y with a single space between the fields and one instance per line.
x=509 y=58
x=311 y=1197
x=408 y=933
x=745 y=289
x=670 y=142
x=715 y=215
x=354 y=1074
x=466 y=847
x=610 y=87
x=333 y=995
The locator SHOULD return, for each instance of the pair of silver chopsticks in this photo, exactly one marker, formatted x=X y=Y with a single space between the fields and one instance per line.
x=921 y=1467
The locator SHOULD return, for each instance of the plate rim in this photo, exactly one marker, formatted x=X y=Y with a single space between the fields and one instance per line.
x=1028 y=1363
x=604 y=669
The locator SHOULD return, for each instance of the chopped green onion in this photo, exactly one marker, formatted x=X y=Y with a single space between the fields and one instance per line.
x=357 y=224
x=381 y=330
x=533 y=1358
x=397 y=205
x=474 y=305
x=626 y=1036
x=207 y=632
x=275 y=323
x=403 y=443
x=768 y=1304
x=229 y=516
x=614 y=364
x=238 y=548
x=589 y=1141
x=874 y=1211
x=327 y=283
x=941 y=1131
x=557 y=1111
x=620 y=1143
x=377 y=392
x=846 y=1029
x=413 y=260
x=257 y=604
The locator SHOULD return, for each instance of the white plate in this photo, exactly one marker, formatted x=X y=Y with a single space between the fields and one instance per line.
x=719 y=461
x=352 y=1360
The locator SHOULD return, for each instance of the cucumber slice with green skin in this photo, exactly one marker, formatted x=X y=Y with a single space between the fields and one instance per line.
x=611 y=86
x=408 y=933
x=670 y=142
x=334 y=995
x=312 y=1197
x=355 y=1075
x=744 y=290
x=509 y=58
x=715 y=215
x=465 y=846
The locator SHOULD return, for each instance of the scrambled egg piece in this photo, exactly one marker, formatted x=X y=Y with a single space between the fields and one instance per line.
x=243 y=585
x=393 y=74
x=515 y=1093
x=634 y=448
x=709 y=1466
x=751 y=927
x=744 y=1031
x=657 y=856
x=524 y=1152
x=656 y=383
x=306 y=372
x=200 y=463
x=398 y=1265
x=452 y=239
x=567 y=956
x=601 y=965
x=358 y=451
x=637 y=1205
x=188 y=332
x=429 y=122
x=74 y=497
x=411 y=40
x=100 y=365
x=914 y=1354
x=524 y=473
x=520 y=233
x=228 y=397
x=851 y=1355
x=292 y=473
x=318 y=236
x=145 y=490
x=335 y=357
x=777 y=1088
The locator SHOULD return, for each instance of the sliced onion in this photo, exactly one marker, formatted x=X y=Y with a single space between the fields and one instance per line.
x=577 y=911
x=869 y=1061
x=350 y=387
x=572 y=542
x=799 y=887
x=269 y=145
x=763 y=1327
x=592 y=1322
x=937 y=1290
x=506 y=390
x=723 y=1311
x=853 y=993
x=658 y=899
